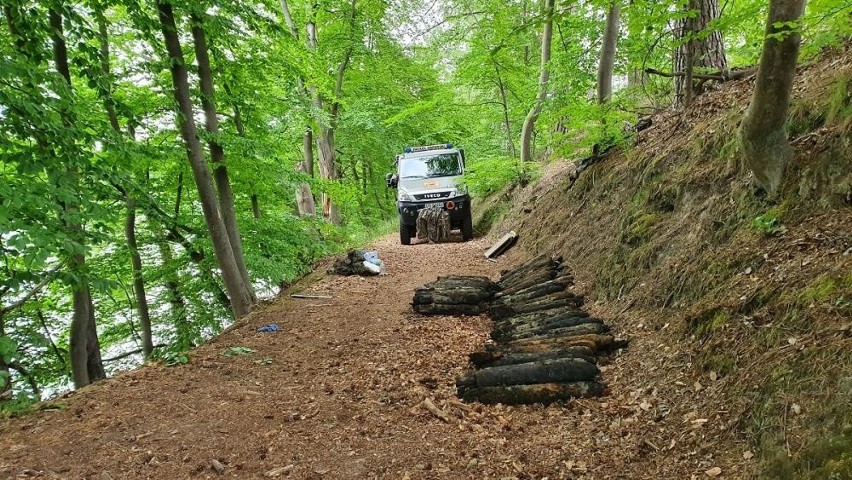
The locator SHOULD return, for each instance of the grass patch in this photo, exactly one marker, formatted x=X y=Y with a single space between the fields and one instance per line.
x=639 y=227
x=826 y=288
x=490 y=216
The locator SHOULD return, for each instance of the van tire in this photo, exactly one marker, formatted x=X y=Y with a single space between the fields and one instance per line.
x=467 y=226
x=405 y=232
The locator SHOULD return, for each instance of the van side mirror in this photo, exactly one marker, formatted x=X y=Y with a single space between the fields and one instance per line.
x=461 y=152
x=391 y=180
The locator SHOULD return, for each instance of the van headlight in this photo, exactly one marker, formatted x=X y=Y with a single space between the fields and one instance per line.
x=458 y=191
x=404 y=197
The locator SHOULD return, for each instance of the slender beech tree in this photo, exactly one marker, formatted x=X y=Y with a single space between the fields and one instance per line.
x=238 y=294
x=174 y=295
x=106 y=89
x=327 y=120
x=763 y=133
x=217 y=153
x=304 y=197
x=532 y=116
x=504 y=104
x=84 y=349
x=241 y=131
x=606 y=63
x=86 y=363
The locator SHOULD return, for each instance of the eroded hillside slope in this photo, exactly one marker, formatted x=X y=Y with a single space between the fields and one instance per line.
x=739 y=306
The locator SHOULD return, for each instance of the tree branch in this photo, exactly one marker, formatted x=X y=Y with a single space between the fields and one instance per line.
x=127 y=354
x=56 y=351
x=716 y=76
x=26 y=374
x=51 y=274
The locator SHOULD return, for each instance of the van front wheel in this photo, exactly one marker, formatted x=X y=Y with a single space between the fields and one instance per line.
x=405 y=234
x=467 y=226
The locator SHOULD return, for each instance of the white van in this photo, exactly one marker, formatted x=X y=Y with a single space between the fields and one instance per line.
x=427 y=176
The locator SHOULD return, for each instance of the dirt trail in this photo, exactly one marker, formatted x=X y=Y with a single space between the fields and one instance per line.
x=336 y=394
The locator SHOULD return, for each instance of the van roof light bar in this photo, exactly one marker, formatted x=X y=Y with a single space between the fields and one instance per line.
x=425 y=148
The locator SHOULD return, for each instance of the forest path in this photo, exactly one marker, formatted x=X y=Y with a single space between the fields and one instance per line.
x=335 y=394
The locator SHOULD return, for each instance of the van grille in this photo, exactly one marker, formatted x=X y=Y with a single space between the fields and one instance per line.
x=432 y=196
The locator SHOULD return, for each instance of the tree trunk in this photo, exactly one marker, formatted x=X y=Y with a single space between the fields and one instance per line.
x=138 y=282
x=5 y=374
x=705 y=53
x=501 y=87
x=308 y=151
x=241 y=131
x=109 y=101
x=84 y=346
x=763 y=133
x=130 y=219
x=95 y=364
x=523 y=22
x=240 y=300
x=304 y=196
x=177 y=305
x=607 y=58
x=532 y=116
x=255 y=206
x=594 y=342
x=217 y=153
x=325 y=140
x=328 y=171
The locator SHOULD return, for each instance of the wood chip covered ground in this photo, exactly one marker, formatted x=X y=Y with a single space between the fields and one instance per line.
x=358 y=386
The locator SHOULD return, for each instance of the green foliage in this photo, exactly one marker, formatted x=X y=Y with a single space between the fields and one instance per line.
x=8 y=349
x=23 y=405
x=67 y=175
x=173 y=359
x=491 y=175
x=768 y=223
x=826 y=458
x=237 y=351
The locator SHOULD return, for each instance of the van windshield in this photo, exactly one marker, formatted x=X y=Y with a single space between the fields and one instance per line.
x=441 y=165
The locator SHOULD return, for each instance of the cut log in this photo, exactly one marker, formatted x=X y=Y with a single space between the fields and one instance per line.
x=546 y=344
x=525 y=270
x=582 y=329
x=548 y=328
x=555 y=285
x=541 y=316
x=482 y=283
x=447 y=309
x=566 y=319
x=534 y=292
x=501 y=311
x=498 y=358
x=595 y=343
x=503 y=245
x=533 y=278
x=544 y=393
x=540 y=259
x=451 y=296
x=570 y=369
